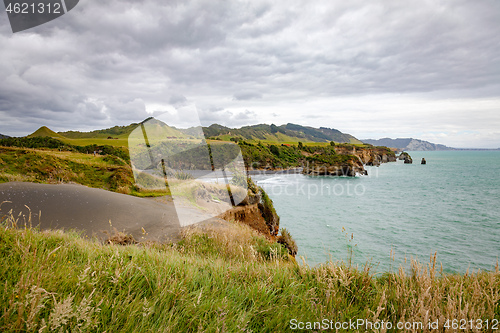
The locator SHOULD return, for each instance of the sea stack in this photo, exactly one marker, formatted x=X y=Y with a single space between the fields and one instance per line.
x=423 y=161
x=406 y=157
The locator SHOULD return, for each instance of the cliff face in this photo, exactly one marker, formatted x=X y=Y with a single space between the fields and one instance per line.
x=359 y=156
x=350 y=168
x=249 y=215
x=374 y=156
x=257 y=211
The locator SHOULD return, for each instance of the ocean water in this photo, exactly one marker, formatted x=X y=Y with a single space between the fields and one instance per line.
x=399 y=211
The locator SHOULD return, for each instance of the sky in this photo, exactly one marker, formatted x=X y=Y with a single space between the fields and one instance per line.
x=426 y=69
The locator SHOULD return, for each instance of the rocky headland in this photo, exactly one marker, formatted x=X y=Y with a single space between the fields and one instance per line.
x=355 y=158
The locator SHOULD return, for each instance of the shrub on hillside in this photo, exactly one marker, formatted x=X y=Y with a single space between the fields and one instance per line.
x=268 y=212
x=270 y=251
x=286 y=239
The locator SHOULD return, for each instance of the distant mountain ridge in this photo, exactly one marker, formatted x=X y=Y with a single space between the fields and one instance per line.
x=289 y=132
x=407 y=144
x=284 y=133
x=4 y=136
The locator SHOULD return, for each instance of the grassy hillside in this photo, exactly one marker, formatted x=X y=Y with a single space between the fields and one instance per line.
x=52 y=166
x=102 y=137
x=118 y=135
x=115 y=132
x=284 y=133
x=43 y=159
x=115 y=142
x=230 y=280
x=115 y=136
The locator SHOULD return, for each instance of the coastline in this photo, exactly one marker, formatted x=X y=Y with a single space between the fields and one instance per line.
x=291 y=171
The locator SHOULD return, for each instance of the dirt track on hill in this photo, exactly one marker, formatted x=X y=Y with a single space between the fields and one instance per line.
x=67 y=206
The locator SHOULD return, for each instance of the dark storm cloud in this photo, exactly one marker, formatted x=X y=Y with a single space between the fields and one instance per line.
x=113 y=62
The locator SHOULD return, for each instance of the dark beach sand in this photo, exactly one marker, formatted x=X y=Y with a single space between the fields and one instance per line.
x=90 y=210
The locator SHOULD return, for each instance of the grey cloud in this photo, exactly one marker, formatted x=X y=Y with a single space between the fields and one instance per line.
x=177 y=99
x=103 y=62
x=244 y=96
x=227 y=117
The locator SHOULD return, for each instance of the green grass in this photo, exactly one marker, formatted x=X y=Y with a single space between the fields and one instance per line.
x=217 y=281
x=120 y=142
x=51 y=166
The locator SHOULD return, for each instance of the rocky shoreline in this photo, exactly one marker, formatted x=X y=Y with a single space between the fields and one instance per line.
x=360 y=157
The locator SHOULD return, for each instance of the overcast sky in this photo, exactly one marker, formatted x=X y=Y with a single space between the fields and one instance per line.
x=373 y=69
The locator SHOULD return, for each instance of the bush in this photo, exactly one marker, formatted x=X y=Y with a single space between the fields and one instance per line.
x=270 y=251
x=268 y=212
x=275 y=150
x=286 y=239
x=252 y=186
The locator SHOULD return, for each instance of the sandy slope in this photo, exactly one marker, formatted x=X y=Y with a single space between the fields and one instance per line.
x=66 y=206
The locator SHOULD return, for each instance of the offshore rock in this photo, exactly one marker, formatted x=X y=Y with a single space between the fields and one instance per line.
x=423 y=161
x=406 y=157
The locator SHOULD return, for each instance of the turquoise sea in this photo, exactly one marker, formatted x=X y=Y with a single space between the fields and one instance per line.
x=450 y=206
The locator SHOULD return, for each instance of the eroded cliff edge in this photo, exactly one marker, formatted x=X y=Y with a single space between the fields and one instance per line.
x=331 y=159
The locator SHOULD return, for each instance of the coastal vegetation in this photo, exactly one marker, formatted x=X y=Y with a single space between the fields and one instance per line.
x=220 y=281
x=288 y=156
x=215 y=279
x=51 y=161
x=53 y=166
x=54 y=143
x=256 y=156
x=263 y=146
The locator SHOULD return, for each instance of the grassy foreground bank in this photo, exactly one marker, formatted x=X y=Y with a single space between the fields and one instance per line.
x=227 y=280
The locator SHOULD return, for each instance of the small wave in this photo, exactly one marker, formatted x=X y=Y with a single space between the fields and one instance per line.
x=273 y=181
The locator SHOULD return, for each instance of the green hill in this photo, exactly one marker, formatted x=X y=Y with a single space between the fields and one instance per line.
x=45 y=131
x=122 y=132
x=116 y=131
x=284 y=133
x=157 y=129
x=289 y=133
